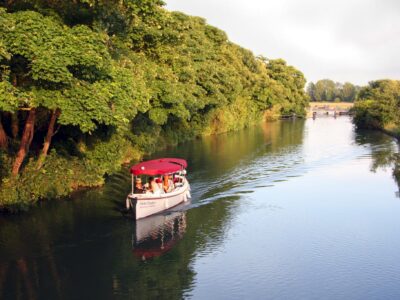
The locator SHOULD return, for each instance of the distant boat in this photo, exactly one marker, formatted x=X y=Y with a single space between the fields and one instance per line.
x=145 y=202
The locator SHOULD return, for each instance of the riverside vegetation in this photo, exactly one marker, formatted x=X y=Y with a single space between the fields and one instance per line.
x=87 y=85
x=330 y=91
x=378 y=107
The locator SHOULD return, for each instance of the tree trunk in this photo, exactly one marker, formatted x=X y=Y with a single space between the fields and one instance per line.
x=14 y=116
x=3 y=275
x=23 y=268
x=3 y=137
x=25 y=141
x=49 y=135
x=14 y=125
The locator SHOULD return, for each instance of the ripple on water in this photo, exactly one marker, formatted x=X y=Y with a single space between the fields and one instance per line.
x=268 y=167
x=251 y=248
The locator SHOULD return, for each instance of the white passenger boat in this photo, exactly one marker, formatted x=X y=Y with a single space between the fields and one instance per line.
x=148 y=202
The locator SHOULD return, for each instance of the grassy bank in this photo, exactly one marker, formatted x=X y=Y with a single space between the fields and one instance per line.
x=392 y=130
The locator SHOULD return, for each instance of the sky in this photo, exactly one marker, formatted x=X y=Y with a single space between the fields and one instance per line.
x=343 y=40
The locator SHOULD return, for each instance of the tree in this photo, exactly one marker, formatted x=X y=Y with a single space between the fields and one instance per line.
x=311 y=91
x=3 y=136
x=378 y=104
x=67 y=71
x=338 y=92
x=324 y=90
x=327 y=90
x=292 y=81
x=349 y=92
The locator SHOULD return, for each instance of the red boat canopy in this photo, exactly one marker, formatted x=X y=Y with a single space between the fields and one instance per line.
x=159 y=166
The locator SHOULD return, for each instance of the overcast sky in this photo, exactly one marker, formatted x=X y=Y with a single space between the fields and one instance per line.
x=343 y=40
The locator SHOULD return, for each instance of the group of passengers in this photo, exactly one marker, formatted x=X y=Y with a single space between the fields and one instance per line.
x=155 y=185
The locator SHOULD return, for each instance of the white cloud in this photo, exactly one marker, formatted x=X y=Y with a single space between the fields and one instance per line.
x=345 y=40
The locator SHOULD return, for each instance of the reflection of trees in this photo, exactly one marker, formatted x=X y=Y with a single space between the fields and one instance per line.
x=396 y=170
x=3 y=274
x=388 y=159
x=218 y=154
x=228 y=161
x=30 y=256
x=283 y=134
x=384 y=151
x=83 y=249
x=30 y=244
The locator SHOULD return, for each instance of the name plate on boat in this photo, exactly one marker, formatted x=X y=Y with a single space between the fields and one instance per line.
x=147 y=203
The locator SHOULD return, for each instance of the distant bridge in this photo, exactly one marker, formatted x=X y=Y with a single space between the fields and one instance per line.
x=328 y=109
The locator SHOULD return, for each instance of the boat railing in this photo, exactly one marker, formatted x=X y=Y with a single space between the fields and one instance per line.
x=177 y=189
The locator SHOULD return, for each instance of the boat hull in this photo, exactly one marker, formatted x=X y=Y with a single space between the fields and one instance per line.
x=146 y=205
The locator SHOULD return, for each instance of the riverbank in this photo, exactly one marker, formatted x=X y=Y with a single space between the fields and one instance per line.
x=392 y=130
x=60 y=176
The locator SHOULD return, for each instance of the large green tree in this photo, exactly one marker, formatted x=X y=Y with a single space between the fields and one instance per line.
x=66 y=73
x=290 y=87
x=349 y=92
x=324 y=90
x=378 y=104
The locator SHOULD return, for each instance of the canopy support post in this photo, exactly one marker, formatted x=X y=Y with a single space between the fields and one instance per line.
x=133 y=180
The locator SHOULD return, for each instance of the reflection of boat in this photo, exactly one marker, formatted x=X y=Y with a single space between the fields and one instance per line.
x=157 y=235
x=149 y=203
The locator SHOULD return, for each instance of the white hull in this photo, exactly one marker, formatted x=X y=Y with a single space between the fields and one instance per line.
x=148 y=204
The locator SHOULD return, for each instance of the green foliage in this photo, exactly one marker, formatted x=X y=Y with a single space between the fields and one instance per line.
x=57 y=178
x=325 y=90
x=106 y=156
x=9 y=101
x=328 y=90
x=60 y=175
x=349 y=92
x=125 y=76
x=50 y=47
x=289 y=87
x=111 y=16
x=378 y=105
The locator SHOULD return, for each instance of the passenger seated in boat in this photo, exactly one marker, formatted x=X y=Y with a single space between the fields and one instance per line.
x=153 y=186
x=168 y=185
x=159 y=182
x=139 y=189
x=178 y=181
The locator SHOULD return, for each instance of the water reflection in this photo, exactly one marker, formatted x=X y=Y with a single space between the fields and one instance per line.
x=249 y=208
x=65 y=249
x=384 y=151
x=234 y=163
x=156 y=235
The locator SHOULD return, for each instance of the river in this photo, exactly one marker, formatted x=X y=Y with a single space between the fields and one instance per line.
x=285 y=210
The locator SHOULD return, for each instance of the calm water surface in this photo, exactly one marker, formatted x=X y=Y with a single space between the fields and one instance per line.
x=288 y=210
